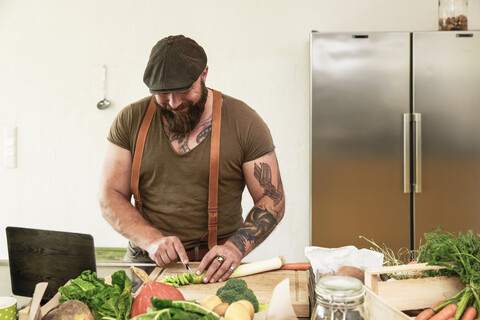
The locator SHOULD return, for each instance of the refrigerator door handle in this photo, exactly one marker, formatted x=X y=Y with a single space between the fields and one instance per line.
x=406 y=153
x=417 y=119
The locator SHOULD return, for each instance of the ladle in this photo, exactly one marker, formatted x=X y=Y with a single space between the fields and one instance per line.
x=105 y=103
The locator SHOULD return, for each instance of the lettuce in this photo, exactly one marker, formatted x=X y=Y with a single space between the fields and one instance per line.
x=112 y=302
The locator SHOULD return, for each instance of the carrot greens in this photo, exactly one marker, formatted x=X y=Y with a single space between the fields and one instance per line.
x=460 y=255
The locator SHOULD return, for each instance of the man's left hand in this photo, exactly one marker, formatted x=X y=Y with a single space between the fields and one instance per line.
x=221 y=261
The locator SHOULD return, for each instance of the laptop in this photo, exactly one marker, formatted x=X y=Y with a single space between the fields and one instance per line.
x=55 y=257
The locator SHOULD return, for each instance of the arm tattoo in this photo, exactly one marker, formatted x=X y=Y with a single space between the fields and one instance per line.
x=263 y=174
x=258 y=225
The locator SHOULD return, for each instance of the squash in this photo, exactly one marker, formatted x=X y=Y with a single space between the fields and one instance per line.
x=151 y=289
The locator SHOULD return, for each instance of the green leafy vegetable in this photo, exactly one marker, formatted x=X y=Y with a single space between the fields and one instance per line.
x=176 y=309
x=460 y=255
x=107 y=302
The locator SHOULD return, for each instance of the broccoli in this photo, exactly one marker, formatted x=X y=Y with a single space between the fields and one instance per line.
x=236 y=289
x=236 y=284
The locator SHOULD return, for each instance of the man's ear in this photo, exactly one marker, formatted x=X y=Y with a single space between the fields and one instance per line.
x=204 y=74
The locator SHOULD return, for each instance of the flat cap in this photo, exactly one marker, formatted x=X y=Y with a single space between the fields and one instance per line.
x=175 y=63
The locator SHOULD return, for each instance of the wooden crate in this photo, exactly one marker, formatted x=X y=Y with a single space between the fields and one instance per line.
x=378 y=309
x=412 y=294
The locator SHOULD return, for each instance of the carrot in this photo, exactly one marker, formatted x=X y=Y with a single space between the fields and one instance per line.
x=296 y=266
x=445 y=313
x=428 y=313
x=469 y=314
x=425 y=314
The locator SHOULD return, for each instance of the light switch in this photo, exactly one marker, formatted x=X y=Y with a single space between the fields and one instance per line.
x=10 y=147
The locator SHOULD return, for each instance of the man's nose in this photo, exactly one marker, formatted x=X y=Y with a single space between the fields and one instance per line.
x=174 y=100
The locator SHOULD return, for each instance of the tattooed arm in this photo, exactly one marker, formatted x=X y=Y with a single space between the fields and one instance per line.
x=265 y=186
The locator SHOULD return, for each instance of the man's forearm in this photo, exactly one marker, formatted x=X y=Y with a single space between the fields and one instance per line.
x=126 y=219
x=258 y=225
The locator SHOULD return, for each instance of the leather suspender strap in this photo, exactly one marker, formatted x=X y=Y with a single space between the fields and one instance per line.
x=214 y=164
x=138 y=155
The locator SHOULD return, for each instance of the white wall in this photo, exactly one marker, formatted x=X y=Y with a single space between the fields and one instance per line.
x=51 y=53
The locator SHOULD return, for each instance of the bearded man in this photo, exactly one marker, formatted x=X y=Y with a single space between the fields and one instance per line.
x=186 y=153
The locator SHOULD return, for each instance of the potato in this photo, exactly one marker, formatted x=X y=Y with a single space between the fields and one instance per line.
x=351 y=272
x=249 y=306
x=211 y=301
x=236 y=311
x=221 y=309
x=71 y=309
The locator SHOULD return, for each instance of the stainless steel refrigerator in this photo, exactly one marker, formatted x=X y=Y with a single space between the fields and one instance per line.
x=395 y=127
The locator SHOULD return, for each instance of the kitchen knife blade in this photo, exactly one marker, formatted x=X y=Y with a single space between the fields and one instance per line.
x=188 y=268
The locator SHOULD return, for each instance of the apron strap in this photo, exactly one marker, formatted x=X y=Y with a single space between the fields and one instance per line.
x=214 y=164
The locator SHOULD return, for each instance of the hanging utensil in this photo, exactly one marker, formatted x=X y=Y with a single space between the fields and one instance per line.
x=104 y=104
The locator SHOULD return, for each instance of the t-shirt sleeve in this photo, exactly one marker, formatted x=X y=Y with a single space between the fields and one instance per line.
x=120 y=129
x=259 y=140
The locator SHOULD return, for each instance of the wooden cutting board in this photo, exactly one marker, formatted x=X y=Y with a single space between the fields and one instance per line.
x=262 y=284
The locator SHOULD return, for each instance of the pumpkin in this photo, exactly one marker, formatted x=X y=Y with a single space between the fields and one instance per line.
x=151 y=289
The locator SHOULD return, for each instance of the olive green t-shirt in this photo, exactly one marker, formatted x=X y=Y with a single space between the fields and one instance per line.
x=174 y=188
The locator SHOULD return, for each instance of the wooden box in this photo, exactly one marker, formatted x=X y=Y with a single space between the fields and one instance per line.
x=387 y=299
x=412 y=294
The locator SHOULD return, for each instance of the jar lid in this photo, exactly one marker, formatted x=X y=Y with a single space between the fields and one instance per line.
x=339 y=288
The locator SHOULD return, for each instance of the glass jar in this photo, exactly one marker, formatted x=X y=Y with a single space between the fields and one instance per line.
x=452 y=15
x=339 y=298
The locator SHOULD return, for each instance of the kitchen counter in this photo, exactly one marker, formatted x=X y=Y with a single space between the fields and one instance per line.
x=257 y=282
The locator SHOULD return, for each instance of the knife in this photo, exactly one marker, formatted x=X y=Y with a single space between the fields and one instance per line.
x=188 y=268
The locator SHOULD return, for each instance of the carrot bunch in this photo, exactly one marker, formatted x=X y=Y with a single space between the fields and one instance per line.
x=460 y=255
x=443 y=311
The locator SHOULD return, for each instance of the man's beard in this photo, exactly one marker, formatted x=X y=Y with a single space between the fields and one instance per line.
x=180 y=122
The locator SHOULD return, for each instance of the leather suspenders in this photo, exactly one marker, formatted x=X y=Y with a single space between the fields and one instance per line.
x=214 y=164
x=138 y=155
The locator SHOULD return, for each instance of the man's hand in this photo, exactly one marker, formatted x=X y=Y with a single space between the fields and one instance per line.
x=167 y=250
x=220 y=269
